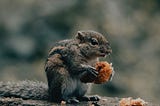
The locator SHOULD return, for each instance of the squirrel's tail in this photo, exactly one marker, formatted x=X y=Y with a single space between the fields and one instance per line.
x=24 y=89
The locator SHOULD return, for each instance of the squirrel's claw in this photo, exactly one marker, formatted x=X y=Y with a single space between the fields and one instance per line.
x=72 y=101
x=111 y=77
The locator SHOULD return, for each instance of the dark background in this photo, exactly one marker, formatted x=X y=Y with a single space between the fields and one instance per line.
x=28 y=28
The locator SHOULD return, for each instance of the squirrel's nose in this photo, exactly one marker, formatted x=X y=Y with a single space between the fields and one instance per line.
x=109 y=49
x=108 y=46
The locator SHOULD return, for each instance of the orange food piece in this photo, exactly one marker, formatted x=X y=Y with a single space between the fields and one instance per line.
x=132 y=102
x=104 y=72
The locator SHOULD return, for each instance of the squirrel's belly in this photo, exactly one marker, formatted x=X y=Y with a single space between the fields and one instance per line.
x=75 y=88
x=81 y=88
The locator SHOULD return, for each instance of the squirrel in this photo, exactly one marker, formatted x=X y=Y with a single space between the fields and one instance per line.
x=67 y=62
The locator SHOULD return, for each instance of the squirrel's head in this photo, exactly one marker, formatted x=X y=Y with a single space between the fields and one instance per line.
x=93 y=44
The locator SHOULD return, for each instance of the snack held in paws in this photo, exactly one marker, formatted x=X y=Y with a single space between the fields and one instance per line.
x=105 y=72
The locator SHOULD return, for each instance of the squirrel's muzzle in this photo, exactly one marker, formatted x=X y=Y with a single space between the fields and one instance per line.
x=105 y=50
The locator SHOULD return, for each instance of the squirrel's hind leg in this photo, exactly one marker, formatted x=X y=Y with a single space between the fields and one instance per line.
x=57 y=79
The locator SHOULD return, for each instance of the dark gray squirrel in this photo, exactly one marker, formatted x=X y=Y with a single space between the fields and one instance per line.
x=67 y=62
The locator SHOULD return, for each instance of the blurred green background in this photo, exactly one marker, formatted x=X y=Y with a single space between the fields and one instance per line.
x=28 y=29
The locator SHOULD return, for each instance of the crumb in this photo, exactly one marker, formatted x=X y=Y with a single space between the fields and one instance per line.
x=132 y=102
x=63 y=102
x=105 y=70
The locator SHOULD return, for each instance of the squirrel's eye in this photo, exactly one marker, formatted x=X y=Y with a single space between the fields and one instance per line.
x=94 y=42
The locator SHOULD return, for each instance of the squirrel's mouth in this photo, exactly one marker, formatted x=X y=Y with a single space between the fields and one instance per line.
x=105 y=54
x=102 y=55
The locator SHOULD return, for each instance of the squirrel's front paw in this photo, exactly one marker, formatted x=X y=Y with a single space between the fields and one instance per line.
x=89 y=75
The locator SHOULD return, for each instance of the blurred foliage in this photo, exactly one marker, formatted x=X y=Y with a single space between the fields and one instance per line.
x=28 y=28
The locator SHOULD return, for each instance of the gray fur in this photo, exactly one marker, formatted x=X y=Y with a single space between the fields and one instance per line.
x=70 y=65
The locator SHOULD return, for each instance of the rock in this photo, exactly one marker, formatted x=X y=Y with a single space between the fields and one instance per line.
x=105 y=101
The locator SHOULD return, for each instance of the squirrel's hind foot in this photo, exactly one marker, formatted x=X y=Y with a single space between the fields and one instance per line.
x=89 y=98
x=72 y=101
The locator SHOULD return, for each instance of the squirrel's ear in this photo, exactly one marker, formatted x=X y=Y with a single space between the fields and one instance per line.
x=80 y=36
